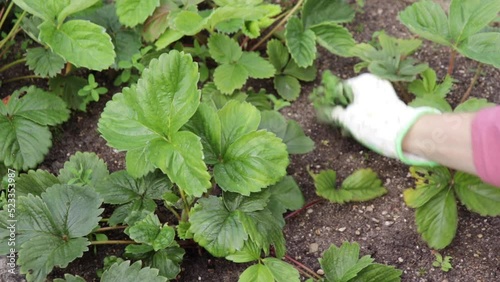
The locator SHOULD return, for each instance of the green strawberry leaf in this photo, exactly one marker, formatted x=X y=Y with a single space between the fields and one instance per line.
x=252 y=162
x=249 y=252
x=74 y=6
x=427 y=19
x=151 y=232
x=476 y=195
x=134 y=12
x=473 y=105
x=237 y=119
x=216 y=228
x=285 y=195
x=278 y=54
x=66 y=87
x=34 y=182
x=229 y=77
x=256 y=273
x=70 y=278
x=301 y=43
x=378 y=272
x=223 y=49
x=467 y=18
x=287 y=87
x=281 y=271
x=335 y=38
x=256 y=66
x=429 y=182
x=121 y=188
x=437 y=219
x=324 y=11
x=482 y=47
x=59 y=218
x=158 y=23
x=188 y=22
x=83 y=169
x=44 y=62
x=433 y=101
x=289 y=131
x=343 y=264
x=428 y=85
x=79 y=42
x=47 y=10
x=125 y=272
x=304 y=74
x=168 y=261
x=362 y=185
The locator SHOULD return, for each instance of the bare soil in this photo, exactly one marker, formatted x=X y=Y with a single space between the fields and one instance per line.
x=384 y=227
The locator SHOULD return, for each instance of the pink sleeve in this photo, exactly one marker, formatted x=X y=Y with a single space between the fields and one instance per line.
x=486 y=144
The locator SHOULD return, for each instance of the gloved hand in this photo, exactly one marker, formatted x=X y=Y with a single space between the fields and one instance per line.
x=378 y=119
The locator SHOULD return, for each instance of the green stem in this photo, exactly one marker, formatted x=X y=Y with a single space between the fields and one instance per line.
x=109 y=228
x=4 y=16
x=113 y=242
x=8 y=66
x=174 y=212
x=185 y=214
x=279 y=25
x=21 y=78
x=472 y=83
x=104 y=220
x=13 y=31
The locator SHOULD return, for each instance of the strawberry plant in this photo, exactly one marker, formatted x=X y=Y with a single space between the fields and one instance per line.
x=24 y=126
x=343 y=264
x=92 y=89
x=435 y=200
x=463 y=30
x=391 y=60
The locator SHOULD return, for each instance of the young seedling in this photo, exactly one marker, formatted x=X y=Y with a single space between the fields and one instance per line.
x=443 y=263
x=92 y=89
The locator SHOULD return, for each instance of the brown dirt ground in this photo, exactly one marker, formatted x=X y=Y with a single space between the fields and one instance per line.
x=383 y=227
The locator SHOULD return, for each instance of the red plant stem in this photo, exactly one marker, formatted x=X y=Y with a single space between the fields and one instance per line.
x=303 y=208
x=472 y=83
x=299 y=264
x=451 y=64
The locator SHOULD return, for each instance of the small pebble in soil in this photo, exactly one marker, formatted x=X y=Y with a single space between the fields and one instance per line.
x=384 y=212
x=342 y=229
x=375 y=220
x=320 y=272
x=310 y=211
x=479 y=236
x=370 y=208
x=357 y=232
x=313 y=248
x=400 y=259
x=388 y=223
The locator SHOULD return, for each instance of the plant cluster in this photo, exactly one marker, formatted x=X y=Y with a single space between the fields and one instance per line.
x=206 y=158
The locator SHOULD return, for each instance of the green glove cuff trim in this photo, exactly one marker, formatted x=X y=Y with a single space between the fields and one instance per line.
x=401 y=135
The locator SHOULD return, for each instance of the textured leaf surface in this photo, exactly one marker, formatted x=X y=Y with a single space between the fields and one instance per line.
x=73 y=7
x=469 y=17
x=476 y=195
x=437 y=220
x=237 y=119
x=321 y=11
x=278 y=54
x=120 y=187
x=80 y=42
x=44 y=62
x=289 y=131
x=378 y=272
x=59 y=218
x=134 y=12
x=256 y=273
x=335 y=38
x=223 y=49
x=70 y=278
x=34 y=182
x=429 y=182
x=47 y=10
x=288 y=87
x=473 y=105
x=256 y=66
x=83 y=164
x=125 y=272
x=482 y=47
x=254 y=161
x=301 y=43
x=427 y=19
x=145 y=121
x=168 y=261
x=215 y=228
x=230 y=77
x=342 y=264
x=282 y=271
x=151 y=232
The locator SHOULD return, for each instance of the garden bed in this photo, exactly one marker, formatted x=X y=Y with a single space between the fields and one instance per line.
x=383 y=227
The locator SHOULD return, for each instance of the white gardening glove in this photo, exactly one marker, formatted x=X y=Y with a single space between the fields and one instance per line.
x=378 y=119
